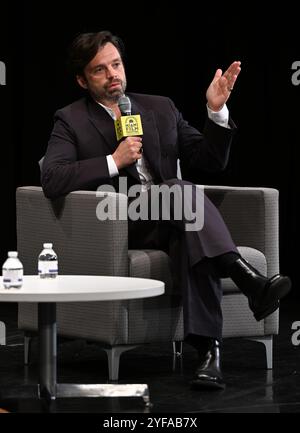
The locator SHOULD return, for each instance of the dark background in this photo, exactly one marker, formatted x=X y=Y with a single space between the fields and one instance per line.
x=171 y=50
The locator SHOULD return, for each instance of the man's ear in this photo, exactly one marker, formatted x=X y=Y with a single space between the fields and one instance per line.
x=81 y=81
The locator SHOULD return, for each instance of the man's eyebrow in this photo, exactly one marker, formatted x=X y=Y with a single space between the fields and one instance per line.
x=102 y=65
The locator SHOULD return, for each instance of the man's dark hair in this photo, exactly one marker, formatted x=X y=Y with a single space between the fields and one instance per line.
x=86 y=45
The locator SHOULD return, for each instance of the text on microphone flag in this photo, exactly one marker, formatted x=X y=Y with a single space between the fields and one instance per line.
x=128 y=126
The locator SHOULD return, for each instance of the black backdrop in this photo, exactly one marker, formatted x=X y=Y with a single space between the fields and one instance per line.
x=171 y=50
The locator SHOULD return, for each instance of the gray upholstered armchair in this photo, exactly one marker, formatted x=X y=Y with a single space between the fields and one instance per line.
x=86 y=245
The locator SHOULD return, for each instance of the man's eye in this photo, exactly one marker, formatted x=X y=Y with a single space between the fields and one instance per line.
x=116 y=65
x=99 y=70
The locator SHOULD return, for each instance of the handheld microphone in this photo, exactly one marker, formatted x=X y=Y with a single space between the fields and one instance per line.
x=124 y=104
x=128 y=125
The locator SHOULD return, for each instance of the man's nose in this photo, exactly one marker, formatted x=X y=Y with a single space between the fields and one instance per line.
x=110 y=72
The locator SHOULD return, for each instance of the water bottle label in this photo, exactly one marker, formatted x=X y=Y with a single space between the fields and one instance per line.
x=48 y=267
x=12 y=277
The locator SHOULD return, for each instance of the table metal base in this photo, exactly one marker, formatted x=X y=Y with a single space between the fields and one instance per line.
x=72 y=390
x=48 y=388
x=103 y=390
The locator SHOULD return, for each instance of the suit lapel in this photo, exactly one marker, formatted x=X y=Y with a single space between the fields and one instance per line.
x=104 y=124
x=151 y=146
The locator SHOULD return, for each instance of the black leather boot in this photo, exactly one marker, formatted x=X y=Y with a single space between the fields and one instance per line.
x=263 y=293
x=208 y=374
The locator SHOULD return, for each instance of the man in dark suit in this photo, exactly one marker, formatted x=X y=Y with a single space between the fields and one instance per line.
x=83 y=153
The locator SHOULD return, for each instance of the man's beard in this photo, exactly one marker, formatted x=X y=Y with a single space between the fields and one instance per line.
x=115 y=94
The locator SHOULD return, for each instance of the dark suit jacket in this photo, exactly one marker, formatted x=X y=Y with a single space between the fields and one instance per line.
x=84 y=134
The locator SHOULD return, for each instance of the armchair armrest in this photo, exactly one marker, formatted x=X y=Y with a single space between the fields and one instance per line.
x=251 y=215
x=84 y=244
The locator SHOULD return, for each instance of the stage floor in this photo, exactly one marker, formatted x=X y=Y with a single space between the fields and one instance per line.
x=250 y=387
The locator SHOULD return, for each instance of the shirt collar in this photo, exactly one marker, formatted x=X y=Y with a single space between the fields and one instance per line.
x=108 y=110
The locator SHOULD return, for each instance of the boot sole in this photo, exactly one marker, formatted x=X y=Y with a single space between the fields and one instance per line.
x=278 y=288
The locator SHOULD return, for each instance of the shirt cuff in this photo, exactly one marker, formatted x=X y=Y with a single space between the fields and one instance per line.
x=221 y=117
x=112 y=168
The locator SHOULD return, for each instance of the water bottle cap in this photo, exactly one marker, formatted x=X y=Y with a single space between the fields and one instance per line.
x=13 y=254
x=48 y=245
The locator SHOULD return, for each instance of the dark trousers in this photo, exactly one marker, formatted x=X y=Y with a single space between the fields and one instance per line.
x=192 y=256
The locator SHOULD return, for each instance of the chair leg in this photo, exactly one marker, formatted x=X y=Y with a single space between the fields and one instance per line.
x=177 y=357
x=27 y=345
x=113 y=356
x=268 y=342
x=2 y=334
x=177 y=348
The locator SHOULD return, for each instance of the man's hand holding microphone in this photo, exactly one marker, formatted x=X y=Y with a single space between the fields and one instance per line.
x=128 y=151
x=129 y=131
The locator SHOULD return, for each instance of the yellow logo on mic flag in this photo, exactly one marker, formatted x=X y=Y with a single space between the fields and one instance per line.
x=128 y=126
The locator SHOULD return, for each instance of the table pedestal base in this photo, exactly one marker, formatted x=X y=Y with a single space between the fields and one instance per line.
x=50 y=389
x=65 y=390
x=103 y=390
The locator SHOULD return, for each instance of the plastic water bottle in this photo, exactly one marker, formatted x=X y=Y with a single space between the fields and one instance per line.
x=48 y=264
x=12 y=271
